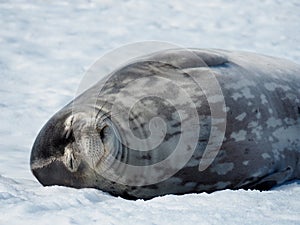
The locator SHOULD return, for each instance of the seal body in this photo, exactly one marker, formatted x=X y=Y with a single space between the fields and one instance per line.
x=167 y=105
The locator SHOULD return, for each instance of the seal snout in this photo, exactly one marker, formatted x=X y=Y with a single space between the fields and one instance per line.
x=52 y=160
x=68 y=146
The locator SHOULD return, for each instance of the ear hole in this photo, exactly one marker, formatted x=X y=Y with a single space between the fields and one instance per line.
x=104 y=132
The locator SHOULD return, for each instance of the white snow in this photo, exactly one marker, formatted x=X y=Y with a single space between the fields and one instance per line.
x=45 y=48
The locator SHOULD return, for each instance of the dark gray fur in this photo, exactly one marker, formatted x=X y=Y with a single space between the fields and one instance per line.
x=261 y=148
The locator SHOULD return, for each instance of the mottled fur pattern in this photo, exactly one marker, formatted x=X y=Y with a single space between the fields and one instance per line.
x=261 y=147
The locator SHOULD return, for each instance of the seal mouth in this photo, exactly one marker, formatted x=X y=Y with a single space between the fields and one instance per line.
x=56 y=173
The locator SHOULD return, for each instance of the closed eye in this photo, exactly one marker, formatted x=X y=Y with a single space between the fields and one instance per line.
x=69 y=130
x=69 y=136
x=69 y=133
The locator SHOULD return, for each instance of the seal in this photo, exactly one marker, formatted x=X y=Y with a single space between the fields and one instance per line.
x=178 y=121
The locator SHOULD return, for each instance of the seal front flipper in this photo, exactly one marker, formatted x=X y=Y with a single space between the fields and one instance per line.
x=271 y=180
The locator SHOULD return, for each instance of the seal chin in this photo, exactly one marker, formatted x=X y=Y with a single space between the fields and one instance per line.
x=56 y=173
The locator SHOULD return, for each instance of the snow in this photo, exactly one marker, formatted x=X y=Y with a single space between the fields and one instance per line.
x=45 y=49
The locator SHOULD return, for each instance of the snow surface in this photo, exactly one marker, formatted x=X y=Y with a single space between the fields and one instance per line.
x=45 y=48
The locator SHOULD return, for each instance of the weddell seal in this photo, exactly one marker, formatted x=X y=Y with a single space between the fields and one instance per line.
x=178 y=121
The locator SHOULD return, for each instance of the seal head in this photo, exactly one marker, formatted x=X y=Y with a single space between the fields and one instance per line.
x=76 y=143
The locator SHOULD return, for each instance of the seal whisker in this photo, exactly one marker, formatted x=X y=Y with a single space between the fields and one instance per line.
x=99 y=111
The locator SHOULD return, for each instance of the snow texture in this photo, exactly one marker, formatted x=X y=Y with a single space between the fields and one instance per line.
x=45 y=48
